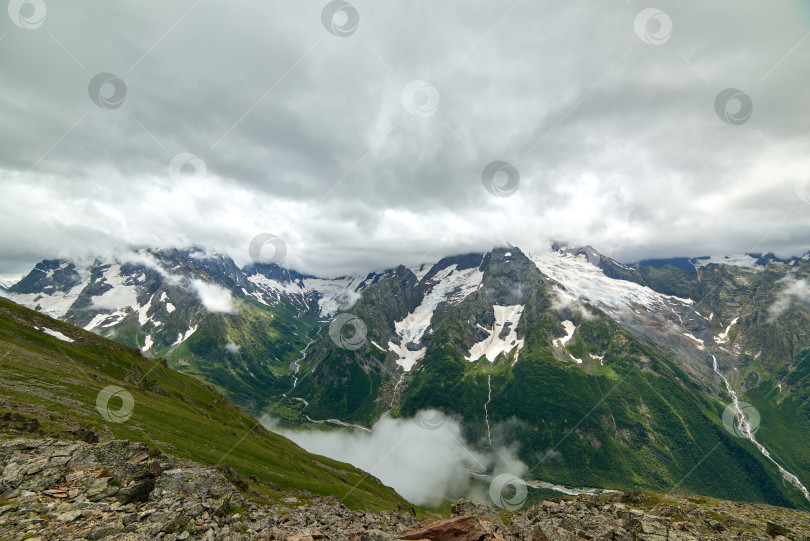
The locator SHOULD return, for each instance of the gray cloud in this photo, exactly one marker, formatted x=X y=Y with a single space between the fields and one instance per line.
x=426 y=465
x=304 y=134
x=793 y=292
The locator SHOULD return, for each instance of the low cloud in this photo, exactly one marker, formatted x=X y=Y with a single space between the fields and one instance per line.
x=425 y=459
x=115 y=299
x=213 y=297
x=795 y=292
x=230 y=347
x=562 y=301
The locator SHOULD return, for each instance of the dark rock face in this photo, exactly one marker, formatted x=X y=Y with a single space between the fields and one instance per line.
x=118 y=490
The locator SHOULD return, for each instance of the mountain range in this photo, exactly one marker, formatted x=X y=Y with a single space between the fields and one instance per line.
x=687 y=375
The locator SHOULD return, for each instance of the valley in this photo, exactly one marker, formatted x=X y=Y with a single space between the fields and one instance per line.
x=595 y=373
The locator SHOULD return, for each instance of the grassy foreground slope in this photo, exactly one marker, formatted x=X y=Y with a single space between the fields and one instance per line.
x=57 y=382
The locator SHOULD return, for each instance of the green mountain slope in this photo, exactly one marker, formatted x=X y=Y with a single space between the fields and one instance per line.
x=53 y=383
x=625 y=417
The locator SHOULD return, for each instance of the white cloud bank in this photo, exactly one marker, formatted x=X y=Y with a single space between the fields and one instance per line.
x=215 y=298
x=423 y=465
x=796 y=291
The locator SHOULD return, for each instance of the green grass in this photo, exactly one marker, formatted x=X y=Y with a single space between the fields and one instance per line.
x=638 y=422
x=57 y=383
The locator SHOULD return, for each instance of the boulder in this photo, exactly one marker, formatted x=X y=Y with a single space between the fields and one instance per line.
x=461 y=528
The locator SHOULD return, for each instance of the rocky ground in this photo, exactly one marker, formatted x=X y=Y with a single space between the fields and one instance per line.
x=118 y=490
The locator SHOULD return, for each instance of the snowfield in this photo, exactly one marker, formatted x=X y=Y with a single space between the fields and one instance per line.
x=334 y=294
x=494 y=345
x=587 y=281
x=55 y=334
x=722 y=338
x=448 y=285
x=570 y=329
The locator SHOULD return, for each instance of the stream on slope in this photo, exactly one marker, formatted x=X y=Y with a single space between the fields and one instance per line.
x=296 y=366
x=747 y=430
x=486 y=410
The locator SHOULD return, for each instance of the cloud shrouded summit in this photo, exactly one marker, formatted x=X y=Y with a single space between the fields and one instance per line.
x=358 y=133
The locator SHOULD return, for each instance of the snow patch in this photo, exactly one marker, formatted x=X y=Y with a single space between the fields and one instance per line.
x=696 y=339
x=494 y=345
x=723 y=336
x=56 y=334
x=143 y=316
x=335 y=295
x=570 y=328
x=448 y=285
x=96 y=321
x=183 y=337
x=421 y=270
x=407 y=358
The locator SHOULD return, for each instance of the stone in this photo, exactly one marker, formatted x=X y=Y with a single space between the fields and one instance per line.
x=69 y=516
x=376 y=535
x=461 y=528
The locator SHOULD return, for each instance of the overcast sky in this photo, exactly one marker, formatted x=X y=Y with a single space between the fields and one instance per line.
x=358 y=133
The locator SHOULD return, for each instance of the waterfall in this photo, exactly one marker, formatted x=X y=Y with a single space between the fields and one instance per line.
x=744 y=425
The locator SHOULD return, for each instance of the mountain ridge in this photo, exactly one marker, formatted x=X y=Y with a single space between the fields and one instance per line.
x=490 y=337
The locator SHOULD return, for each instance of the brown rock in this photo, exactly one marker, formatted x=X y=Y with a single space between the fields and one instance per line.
x=464 y=528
